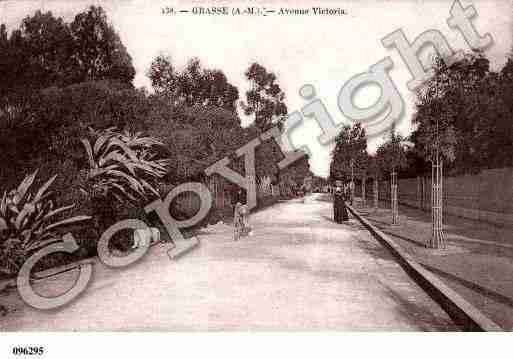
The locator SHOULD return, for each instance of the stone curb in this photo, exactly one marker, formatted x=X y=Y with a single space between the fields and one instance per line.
x=460 y=310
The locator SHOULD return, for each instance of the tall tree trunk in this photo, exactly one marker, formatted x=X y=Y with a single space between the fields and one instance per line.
x=352 y=192
x=363 y=191
x=419 y=192
x=393 y=188
x=437 y=240
x=376 y=193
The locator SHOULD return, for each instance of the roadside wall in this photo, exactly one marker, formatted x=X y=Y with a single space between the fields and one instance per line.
x=487 y=196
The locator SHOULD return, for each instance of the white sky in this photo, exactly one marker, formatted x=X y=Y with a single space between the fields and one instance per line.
x=324 y=51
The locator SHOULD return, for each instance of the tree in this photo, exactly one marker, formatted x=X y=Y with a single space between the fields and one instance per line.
x=198 y=133
x=33 y=57
x=195 y=136
x=48 y=43
x=265 y=99
x=58 y=117
x=293 y=176
x=349 y=154
x=463 y=123
x=363 y=172
x=374 y=170
x=392 y=155
x=45 y=51
x=475 y=103
x=193 y=86
x=500 y=91
x=437 y=138
x=98 y=52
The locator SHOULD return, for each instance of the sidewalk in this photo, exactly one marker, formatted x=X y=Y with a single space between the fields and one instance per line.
x=477 y=262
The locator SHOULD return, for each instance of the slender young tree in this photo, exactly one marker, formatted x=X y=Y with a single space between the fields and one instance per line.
x=374 y=170
x=349 y=154
x=392 y=155
x=363 y=173
x=437 y=139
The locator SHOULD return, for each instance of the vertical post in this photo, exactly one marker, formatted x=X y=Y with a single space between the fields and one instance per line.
x=376 y=193
x=352 y=181
x=223 y=198
x=433 y=203
x=419 y=193
x=437 y=238
x=395 y=211
x=217 y=194
x=363 y=191
x=439 y=229
x=423 y=193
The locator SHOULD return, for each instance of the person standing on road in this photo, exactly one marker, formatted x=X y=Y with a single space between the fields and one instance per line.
x=339 y=207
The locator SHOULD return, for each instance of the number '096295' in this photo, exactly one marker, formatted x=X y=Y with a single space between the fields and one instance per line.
x=29 y=350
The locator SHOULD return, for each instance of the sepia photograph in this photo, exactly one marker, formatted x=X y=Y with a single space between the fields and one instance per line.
x=255 y=166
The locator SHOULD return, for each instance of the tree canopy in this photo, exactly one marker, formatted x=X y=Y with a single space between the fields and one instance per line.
x=465 y=112
x=392 y=153
x=98 y=52
x=350 y=152
x=265 y=99
x=194 y=85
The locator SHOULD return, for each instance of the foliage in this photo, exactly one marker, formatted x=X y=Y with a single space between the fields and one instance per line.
x=435 y=115
x=59 y=117
x=200 y=135
x=97 y=49
x=464 y=112
x=265 y=99
x=28 y=220
x=45 y=105
x=293 y=176
x=122 y=165
x=374 y=167
x=195 y=137
x=392 y=153
x=45 y=51
x=193 y=86
x=350 y=152
x=362 y=167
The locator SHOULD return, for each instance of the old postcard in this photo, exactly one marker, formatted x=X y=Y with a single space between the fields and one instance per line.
x=206 y=166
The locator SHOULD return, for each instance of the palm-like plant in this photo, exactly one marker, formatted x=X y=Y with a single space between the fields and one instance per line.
x=28 y=221
x=122 y=165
